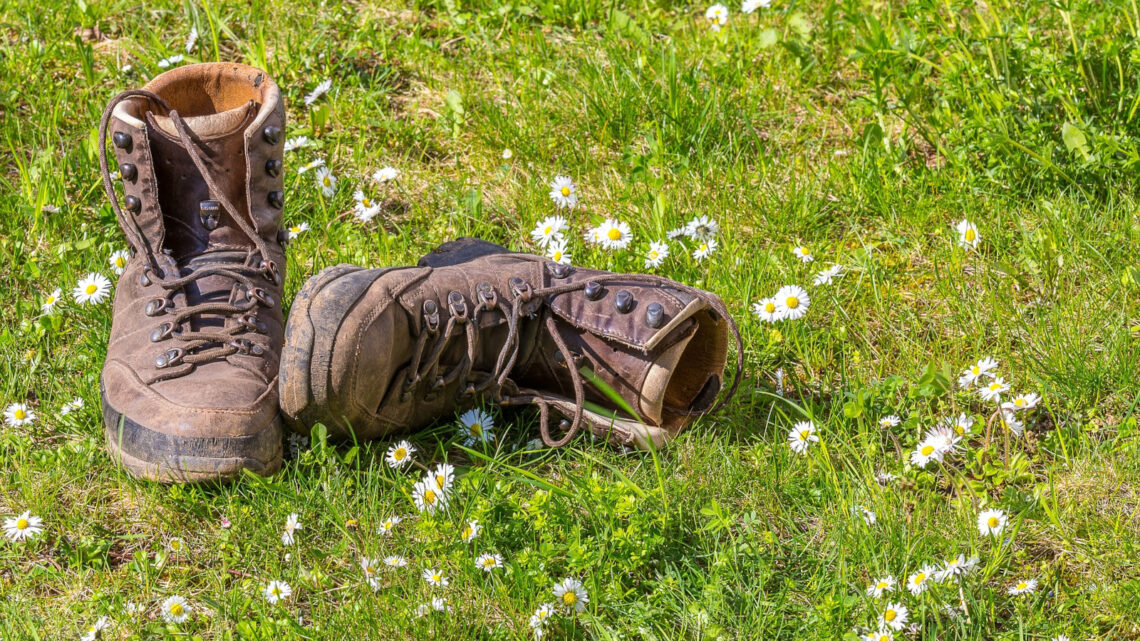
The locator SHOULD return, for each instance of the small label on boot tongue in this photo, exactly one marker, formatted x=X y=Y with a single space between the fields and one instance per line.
x=210 y=213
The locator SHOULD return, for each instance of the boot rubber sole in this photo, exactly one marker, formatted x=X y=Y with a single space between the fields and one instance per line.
x=167 y=458
x=310 y=334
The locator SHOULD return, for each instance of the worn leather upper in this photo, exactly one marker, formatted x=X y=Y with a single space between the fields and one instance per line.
x=236 y=118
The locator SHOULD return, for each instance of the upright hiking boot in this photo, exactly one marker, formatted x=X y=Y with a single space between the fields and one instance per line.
x=633 y=358
x=190 y=383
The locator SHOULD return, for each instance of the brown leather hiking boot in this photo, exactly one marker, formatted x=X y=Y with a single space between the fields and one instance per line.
x=372 y=352
x=190 y=383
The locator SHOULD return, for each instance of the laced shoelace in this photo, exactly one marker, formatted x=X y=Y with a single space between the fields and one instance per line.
x=524 y=302
x=203 y=345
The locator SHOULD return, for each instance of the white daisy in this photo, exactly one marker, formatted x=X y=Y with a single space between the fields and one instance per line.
x=881 y=587
x=994 y=390
x=801 y=436
x=748 y=6
x=879 y=635
x=541 y=616
x=175 y=609
x=926 y=451
x=50 y=301
x=889 y=421
x=868 y=516
x=918 y=582
x=385 y=174
x=548 y=230
x=389 y=525
x=767 y=310
x=956 y=567
x=19 y=414
x=963 y=425
x=370 y=566
x=292 y=524
x=444 y=476
x=326 y=181
x=1060 y=637
x=571 y=594
x=118 y=261
x=471 y=531
x=968 y=236
x=717 y=15
x=475 y=426
x=894 y=616
x=23 y=527
x=1023 y=587
x=792 y=302
x=975 y=372
x=428 y=497
x=803 y=253
x=488 y=562
x=1021 y=402
x=704 y=249
x=558 y=252
x=656 y=255
x=191 y=39
x=175 y=545
x=614 y=234
x=944 y=438
x=94 y=629
x=399 y=455
x=991 y=522
x=74 y=405
x=701 y=228
x=365 y=208
x=1010 y=421
x=395 y=561
x=563 y=192
x=277 y=591
x=828 y=276
x=317 y=92
x=435 y=578
x=92 y=289
x=170 y=61
x=296 y=142
x=674 y=234
x=316 y=164
x=297 y=230
x=507 y=153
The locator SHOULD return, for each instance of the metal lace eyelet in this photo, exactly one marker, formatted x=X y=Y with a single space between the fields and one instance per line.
x=144 y=277
x=624 y=301
x=247 y=347
x=169 y=358
x=261 y=296
x=487 y=294
x=655 y=315
x=457 y=305
x=431 y=315
x=520 y=288
x=271 y=271
x=558 y=270
x=163 y=332
x=253 y=323
x=594 y=290
x=157 y=306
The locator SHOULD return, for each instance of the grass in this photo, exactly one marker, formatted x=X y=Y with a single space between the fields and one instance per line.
x=862 y=130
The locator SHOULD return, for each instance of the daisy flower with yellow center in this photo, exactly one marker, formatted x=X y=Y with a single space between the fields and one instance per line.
x=991 y=522
x=881 y=587
x=443 y=475
x=365 y=208
x=803 y=253
x=23 y=527
x=704 y=249
x=92 y=289
x=541 y=616
x=428 y=497
x=435 y=578
x=827 y=276
x=1026 y=586
x=475 y=426
x=389 y=525
x=614 y=234
x=118 y=261
x=767 y=310
x=175 y=545
x=918 y=582
x=563 y=192
x=548 y=230
x=792 y=302
x=1021 y=402
x=889 y=421
x=326 y=181
x=968 y=237
x=175 y=609
x=701 y=228
x=894 y=616
x=993 y=390
x=471 y=530
x=94 y=629
x=956 y=567
x=395 y=561
x=963 y=425
x=292 y=524
x=369 y=565
x=801 y=436
x=297 y=230
x=976 y=372
x=277 y=591
x=656 y=255
x=927 y=450
x=879 y=635
x=318 y=91
x=399 y=455
x=50 y=301
x=489 y=562
x=18 y=415
x=296 y=143
x=559 y=252
x=385 y=174
x=717 y=15
x=571 y=595
x=73 y=405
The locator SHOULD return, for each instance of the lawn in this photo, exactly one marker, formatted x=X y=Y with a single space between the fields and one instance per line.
x=861 y=132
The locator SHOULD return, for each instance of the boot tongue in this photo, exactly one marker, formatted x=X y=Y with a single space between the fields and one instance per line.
x=661 y=371
x=193 y=217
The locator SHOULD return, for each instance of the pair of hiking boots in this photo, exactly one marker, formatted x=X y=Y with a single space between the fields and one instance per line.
x=202 y=375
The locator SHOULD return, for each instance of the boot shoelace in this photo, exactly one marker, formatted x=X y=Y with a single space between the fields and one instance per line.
x=202 y=345
x=524 y=301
